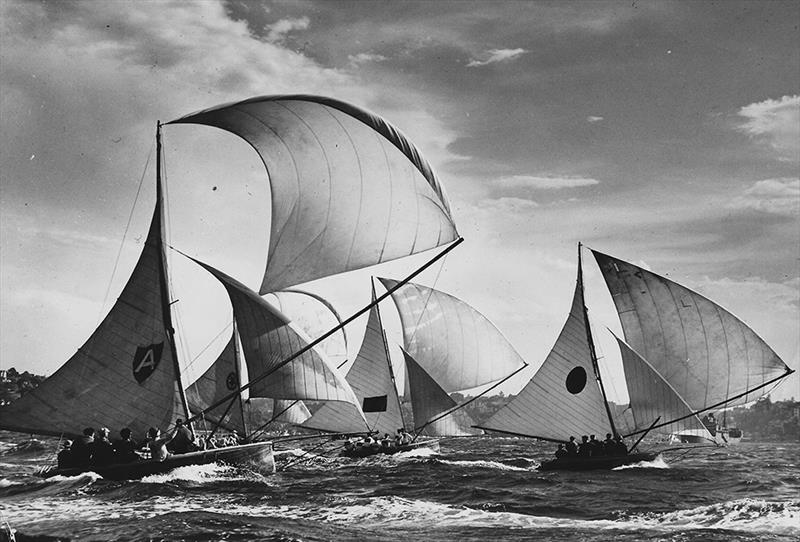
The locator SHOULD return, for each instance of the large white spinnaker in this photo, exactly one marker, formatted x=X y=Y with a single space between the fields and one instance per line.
x=706 y=353
x=348 y=189
x=454 y=343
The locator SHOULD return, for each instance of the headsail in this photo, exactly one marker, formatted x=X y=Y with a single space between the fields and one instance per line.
x=348 y=189
x=652 y=398
x=268 y=339
x=124 y=375
x=429 y=401
x=706 y=354
x=563 y=398
x=219 y=380
x=370 y=377
x=293 y=412
x=455 y=344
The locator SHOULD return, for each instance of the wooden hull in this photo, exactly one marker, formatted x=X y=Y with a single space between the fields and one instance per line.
x=366 y=451
x=596 y=463
x=257 y=456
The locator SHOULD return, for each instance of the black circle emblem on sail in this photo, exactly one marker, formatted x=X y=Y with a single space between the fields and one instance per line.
x=146 y=360
x=231 y=382
x=576 y=380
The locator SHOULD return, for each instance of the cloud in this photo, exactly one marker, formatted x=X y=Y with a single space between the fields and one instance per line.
x=363 y=58
x=776 y=123
x=277 y=31
x=543 y=183
x=776 y=196
x=496 y=55
x=592 y=119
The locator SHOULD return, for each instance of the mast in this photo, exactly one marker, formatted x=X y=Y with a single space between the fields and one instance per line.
x=238 y=369
x=388 y=357
x=591 y=343
x=165 y=301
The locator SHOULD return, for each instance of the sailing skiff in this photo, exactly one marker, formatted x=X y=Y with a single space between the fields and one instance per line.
x=323 y=159
x=257 y=456
x=452 y=344
x=676 y=335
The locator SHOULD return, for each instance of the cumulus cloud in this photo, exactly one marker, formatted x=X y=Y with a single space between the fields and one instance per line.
x=277 y=31
x=543 y=183
x=776 y=123
x=496 y=55
x=592 y=119
x=776 y=196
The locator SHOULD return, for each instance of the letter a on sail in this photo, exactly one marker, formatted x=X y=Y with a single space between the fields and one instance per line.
x=146 y=360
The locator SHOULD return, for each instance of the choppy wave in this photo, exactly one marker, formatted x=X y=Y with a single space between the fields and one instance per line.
x=743 y=515
x=657 y=463
x=472 y=490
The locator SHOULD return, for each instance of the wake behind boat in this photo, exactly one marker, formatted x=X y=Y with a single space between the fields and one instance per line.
x=257 y=456
x=360 y=450
x=596 y=463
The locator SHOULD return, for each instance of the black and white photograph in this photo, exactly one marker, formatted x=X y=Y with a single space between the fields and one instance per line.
x=400 y=270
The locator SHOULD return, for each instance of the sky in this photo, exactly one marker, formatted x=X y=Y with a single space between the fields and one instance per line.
x=663 y=133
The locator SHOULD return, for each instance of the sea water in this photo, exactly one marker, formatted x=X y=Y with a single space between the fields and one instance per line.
x=472 y=489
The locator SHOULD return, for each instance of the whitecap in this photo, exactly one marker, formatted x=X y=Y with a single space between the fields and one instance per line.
x=483 y=464
x=657 y=463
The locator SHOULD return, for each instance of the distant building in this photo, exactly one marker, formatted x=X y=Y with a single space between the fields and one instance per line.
x=3 y=375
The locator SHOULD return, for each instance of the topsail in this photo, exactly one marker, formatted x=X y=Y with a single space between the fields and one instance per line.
x=348 y=189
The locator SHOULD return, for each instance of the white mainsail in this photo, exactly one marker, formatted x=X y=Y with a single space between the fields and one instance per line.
x=125 y=374
x=429 y=401
x=706 y=354
x=455 y=344
x=372 y=381
x=348 y=189
x=563 y=398
x=654 y=400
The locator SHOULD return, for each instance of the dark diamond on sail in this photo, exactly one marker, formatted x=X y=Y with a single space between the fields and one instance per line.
x=374 y=404
x=146 y=360
x=576 y=380
x=231 y=381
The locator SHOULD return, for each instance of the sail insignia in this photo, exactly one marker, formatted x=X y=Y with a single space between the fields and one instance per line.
x=146 y=360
